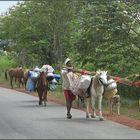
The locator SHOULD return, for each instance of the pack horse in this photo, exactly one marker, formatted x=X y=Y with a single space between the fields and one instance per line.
x=96 y=90
x=14 y=73
x=42 y=88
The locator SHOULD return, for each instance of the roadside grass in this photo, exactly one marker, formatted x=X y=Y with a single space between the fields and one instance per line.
x=128 y=107
x=2 y=78
x=5 y=82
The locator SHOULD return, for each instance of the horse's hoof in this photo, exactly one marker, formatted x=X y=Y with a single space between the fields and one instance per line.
x=93 y=116
x=40 y=103
x=87 y=116
x=102 y=119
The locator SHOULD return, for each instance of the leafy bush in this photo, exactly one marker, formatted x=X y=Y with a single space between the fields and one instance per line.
x=6 y=62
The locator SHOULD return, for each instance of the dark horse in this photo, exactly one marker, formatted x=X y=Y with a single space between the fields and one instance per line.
x=42 y=88
x=16 y=73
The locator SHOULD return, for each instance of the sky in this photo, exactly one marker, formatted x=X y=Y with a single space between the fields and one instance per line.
x=4 y=5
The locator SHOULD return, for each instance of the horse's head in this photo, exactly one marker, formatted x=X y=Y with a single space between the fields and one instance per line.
x=102 y=77
x=42 y=79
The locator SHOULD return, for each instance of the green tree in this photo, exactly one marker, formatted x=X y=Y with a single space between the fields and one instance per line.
x=109 y=36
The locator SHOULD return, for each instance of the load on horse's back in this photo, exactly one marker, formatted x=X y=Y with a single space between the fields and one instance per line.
x=30 y=78
x=16 y=73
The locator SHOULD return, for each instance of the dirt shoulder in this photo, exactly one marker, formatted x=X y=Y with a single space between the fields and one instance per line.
x=119 y=119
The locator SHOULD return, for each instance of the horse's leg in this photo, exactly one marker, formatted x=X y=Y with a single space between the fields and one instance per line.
x=35 y=82
x=111 y=106
x=88 y=107
x=19 y=82
x=25 y=82
x=93 y=114
x=100 y=107
x=82 y=101
x=11 y=80
x=46 y=93
x=22 y=82
x=45 y=97
x=118 y=108
x=118 y=104
x=16 y=81
x=78 y=101
x=40 y=96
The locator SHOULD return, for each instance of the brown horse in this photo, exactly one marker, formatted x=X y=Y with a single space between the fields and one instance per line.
x=16 y=73
x=42 y=88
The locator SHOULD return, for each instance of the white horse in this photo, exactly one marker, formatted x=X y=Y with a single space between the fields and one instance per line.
x=96 y=92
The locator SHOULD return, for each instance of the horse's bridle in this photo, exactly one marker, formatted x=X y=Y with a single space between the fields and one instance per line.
x=104 y=84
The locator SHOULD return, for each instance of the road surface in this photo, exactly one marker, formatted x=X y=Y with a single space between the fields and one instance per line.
x=22 y=118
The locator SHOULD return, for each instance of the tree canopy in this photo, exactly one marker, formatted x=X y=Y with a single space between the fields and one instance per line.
x=95 y=34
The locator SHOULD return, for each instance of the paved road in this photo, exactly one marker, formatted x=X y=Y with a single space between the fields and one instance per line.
x=22 y=118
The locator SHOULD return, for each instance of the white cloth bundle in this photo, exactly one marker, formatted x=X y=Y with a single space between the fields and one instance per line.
x=84 y=82
x=111 y=85
x=47 y=68
x=33 y=74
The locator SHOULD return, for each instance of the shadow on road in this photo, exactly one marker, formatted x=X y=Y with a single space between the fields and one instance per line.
x=29 y=101
x=75 y=120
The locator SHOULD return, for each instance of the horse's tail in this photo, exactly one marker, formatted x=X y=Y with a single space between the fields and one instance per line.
x=6 y=77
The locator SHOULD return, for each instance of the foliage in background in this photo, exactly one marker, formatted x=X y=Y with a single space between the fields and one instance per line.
x=6 y=61
x=95 y=34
